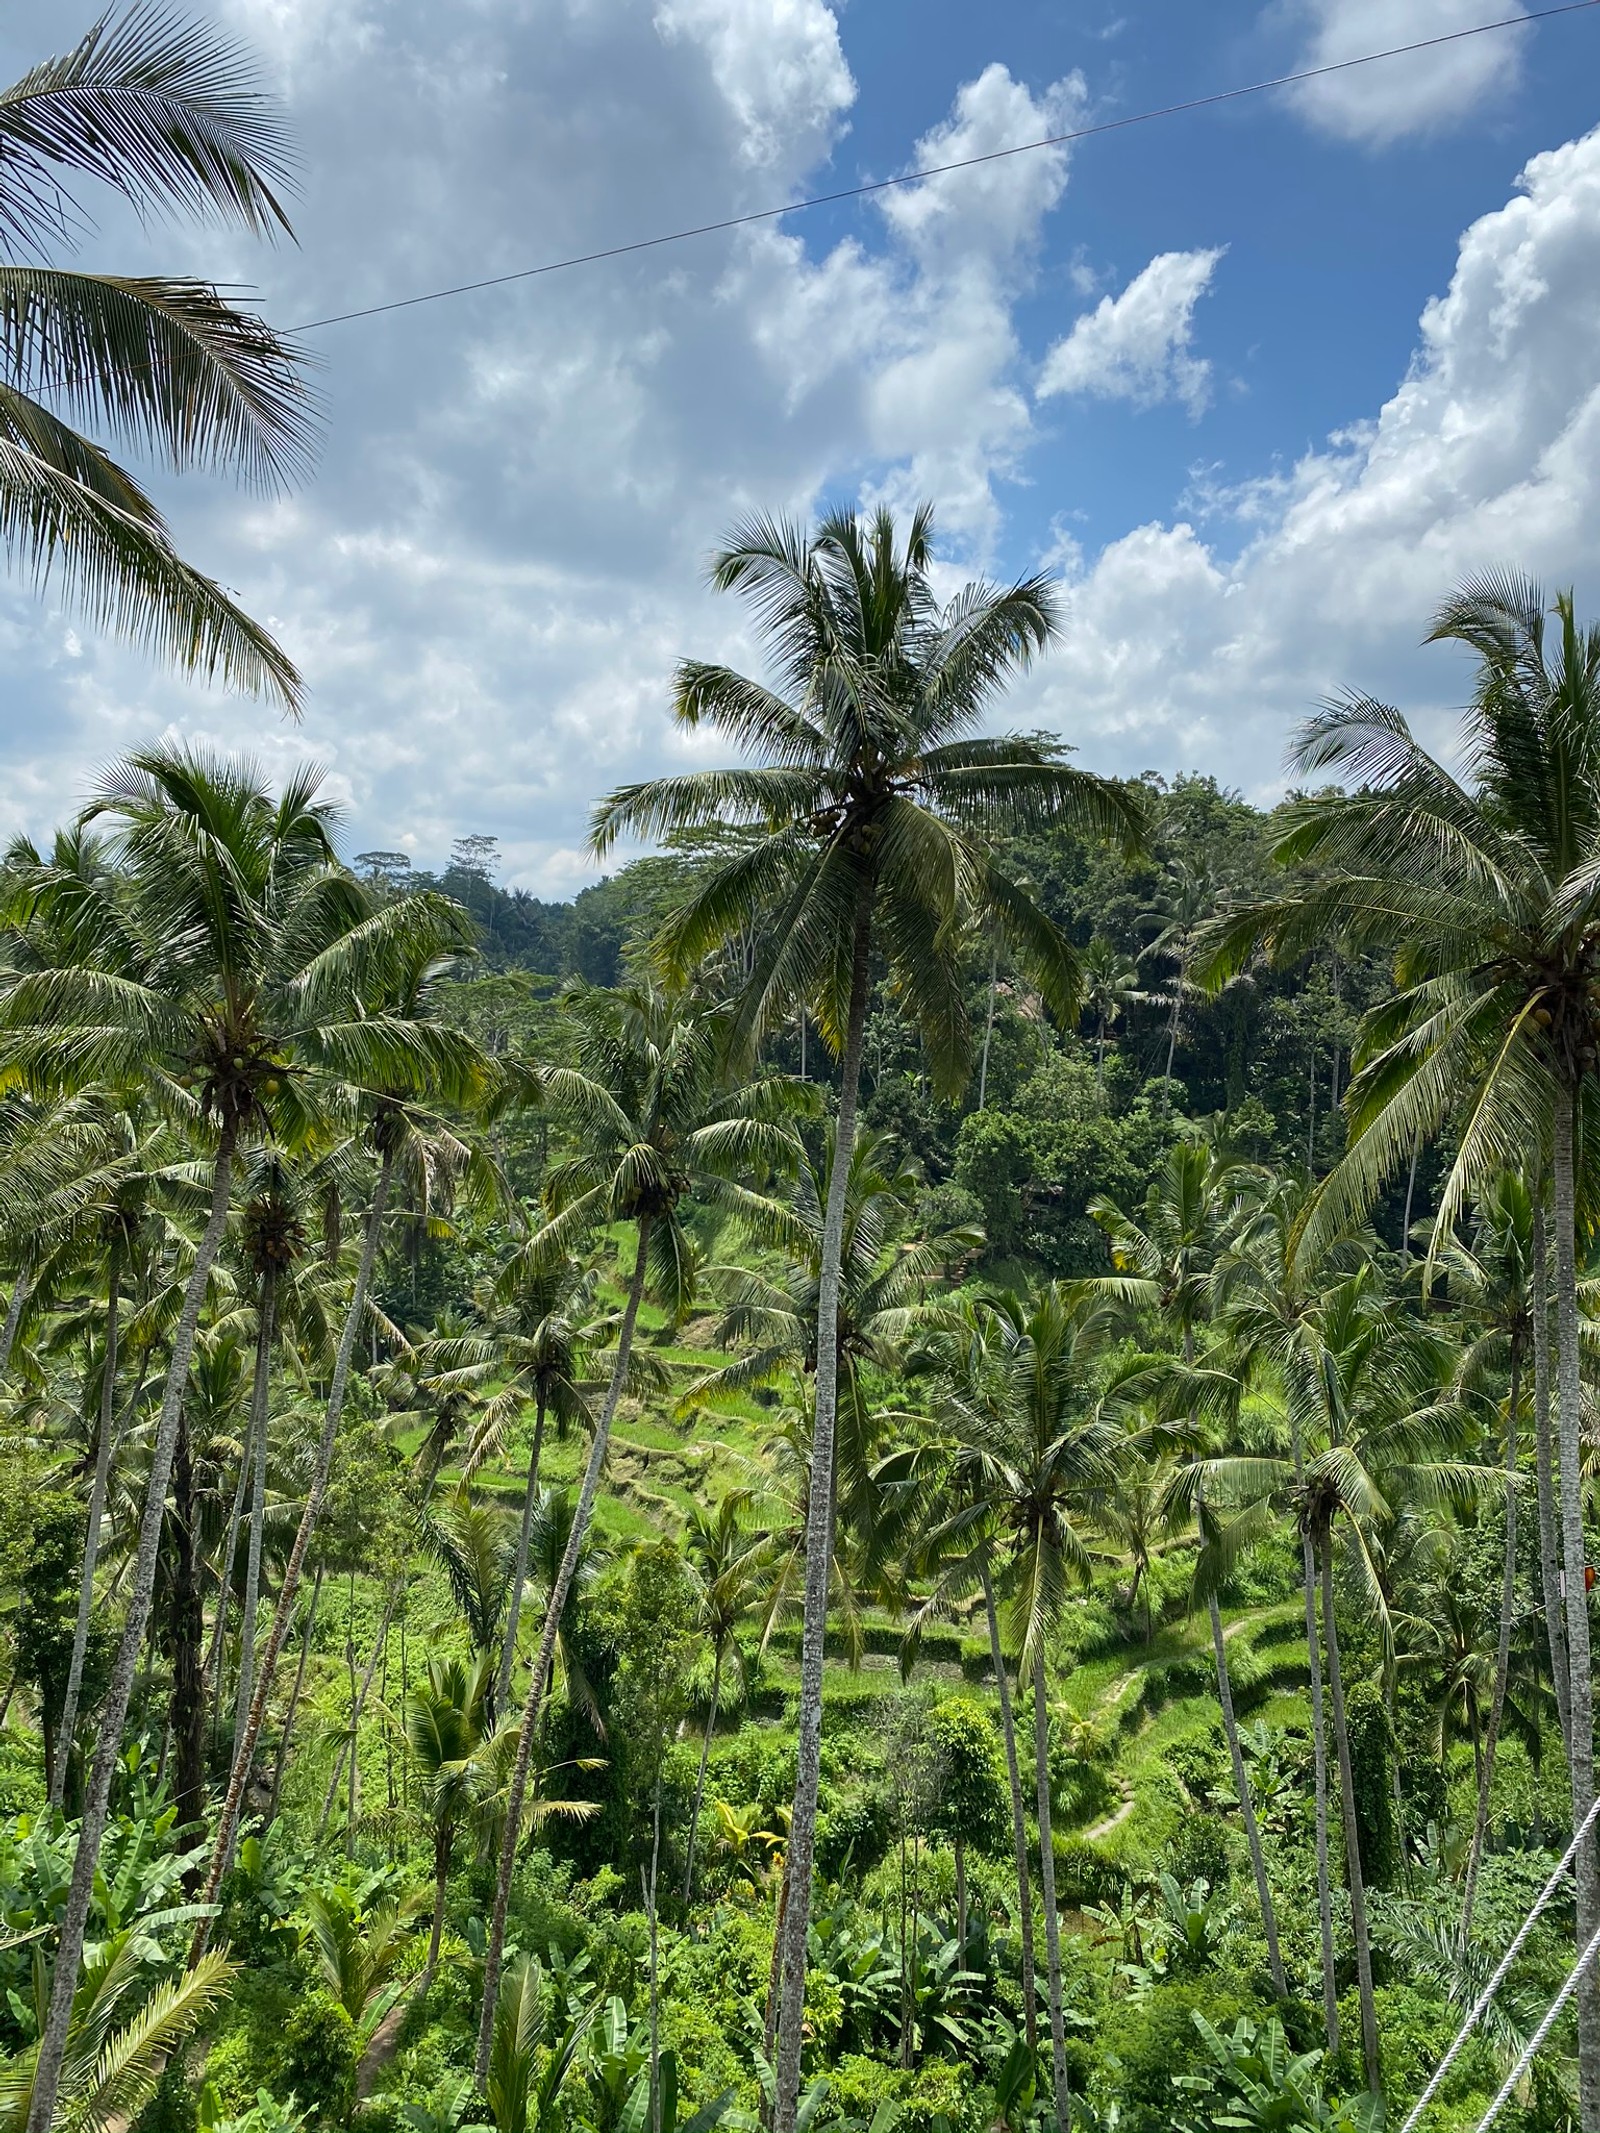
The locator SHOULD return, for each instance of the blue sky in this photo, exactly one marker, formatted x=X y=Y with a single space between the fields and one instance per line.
x=1260 y=382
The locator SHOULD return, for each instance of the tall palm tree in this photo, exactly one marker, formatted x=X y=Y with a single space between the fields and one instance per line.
x=1491 y=1278
x=392 y=1056
x=1486 y=884
x=651 y=1120
x=1031 y=1455
x=217 y=971
x=166 y=113
x=1374 y=1429
x=1185 y=900
x=727 y=1559
x=536 y=1345
x=881 y=805
x=448 y=1728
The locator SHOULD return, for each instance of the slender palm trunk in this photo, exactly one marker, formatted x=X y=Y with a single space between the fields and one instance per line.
x=1352 y=1837
x=188 y=1637
x=1319 y=1756
x=442 y=1848
x=281 y=1763
x=533 y=1707
x=1502 y=1655
x=700 y=1779
x=1544 y=1476
x=91 y=1538
x=1569 y=1402
x=283 y=1613
x=655 y=1963
x=1047 y=1889
x=819 y=1539
x=769 y=2034
x=1019 y=1814
x=1172 y=1030
x=266 y=1330
x=141 y=1590
x=13 y=1319
x=988 y=1029
x=359 y=1692
x=1405 y=1219
x=1247 y=1812
x=519 y=1570
x=219 y=1620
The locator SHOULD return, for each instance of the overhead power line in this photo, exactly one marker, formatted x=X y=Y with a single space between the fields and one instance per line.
x=939 y=170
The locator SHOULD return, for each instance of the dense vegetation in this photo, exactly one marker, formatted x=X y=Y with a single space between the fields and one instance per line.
x=924 y=1464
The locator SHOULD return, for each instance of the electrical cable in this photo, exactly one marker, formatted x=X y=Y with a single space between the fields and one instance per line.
x=939 y=170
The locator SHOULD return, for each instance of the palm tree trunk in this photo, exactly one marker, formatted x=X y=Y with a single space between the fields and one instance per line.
x=188 y=1637
x=13 y=1319
x=282 y=1761
x=358 y=1704
x=1405 y=1219
x=519 y=1571
x=1502 y=1656
x=1247 y=1812
x=1019 y=1816
x=1580 y=1760
x=516 y=1791
x=1544 y=1470
x=655 y=1963
x=283 y=1613
x=441 y=1890
x=91 y=1538
x=819 y=1537
x=1352 y=1837
x=141 y=1590
x=219 y=1620
x=700 y=1780
x=1047 y=1889
x=1319 y=1748
x=988 y=1028
x=266 y=1330
x=769 y=2035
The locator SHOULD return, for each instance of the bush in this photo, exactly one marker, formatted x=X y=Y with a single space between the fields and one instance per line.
x=1143 y=2045
x=858 y=2087
x=319 y=2059
x=1084 y=1874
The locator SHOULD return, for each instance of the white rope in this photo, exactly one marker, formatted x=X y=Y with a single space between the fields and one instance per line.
x=1539 y=2035
x=1481 y=2004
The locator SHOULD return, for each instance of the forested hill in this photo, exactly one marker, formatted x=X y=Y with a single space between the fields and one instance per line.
x=1058 y=1116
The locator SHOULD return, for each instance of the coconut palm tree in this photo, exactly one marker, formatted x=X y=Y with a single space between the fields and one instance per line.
x=1486 y=885
x=448 y=1728
x=1185 y=900
x=391 y=1055
x=881 y=805
x=535 y=1345
x=220 y=971
x=651 y=1120
x=1375 y=1429
x=1110 y=988
x=167 y=114
x=728 y=1559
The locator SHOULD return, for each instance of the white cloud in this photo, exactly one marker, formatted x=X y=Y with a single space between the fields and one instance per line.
x=501 y=559
x=1422 y=92
x=1137 y=346
x=1488 y=454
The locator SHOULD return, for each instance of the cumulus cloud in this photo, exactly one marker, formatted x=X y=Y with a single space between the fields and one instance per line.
x=1179 y=653
x=1137 y=346
x=1424 y=92
x=503 y=554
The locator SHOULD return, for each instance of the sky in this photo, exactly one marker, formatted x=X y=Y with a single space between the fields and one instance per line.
x=1258 y=383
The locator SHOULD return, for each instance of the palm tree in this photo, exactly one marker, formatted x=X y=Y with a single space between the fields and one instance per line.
x=1492 y=1278
x=447 y=1728
x=1185 y=900
x=1032 y=1456
x=216 y=970
x=728 y=1560
x=536 y=1345
x=881 y=808
x=651 y=1122
x=1487 y=886
x=1374 y=1429
x=389 y=1051
x=1110 y=988
x=167 y=114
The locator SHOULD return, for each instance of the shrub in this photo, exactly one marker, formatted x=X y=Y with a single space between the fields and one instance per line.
x=319 y=2058
x=1144 y=2044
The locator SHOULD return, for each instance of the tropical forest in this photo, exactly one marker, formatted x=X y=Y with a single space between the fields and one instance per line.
x=928 y=1463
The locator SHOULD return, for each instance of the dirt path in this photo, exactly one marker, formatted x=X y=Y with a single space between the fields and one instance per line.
x=1104 y=1829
